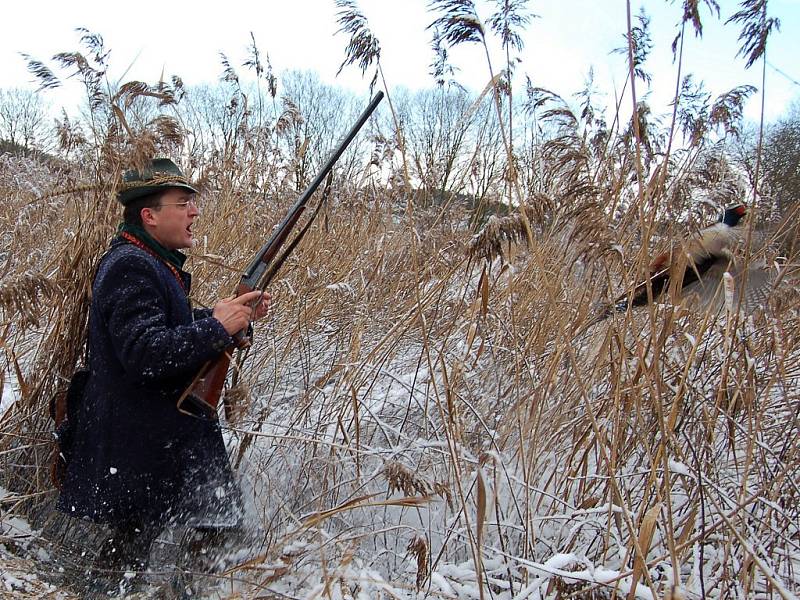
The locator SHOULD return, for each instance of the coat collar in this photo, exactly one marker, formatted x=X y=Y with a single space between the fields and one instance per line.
x=173 y=257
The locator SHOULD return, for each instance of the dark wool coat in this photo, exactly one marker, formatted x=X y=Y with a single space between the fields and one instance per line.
x=135 y=457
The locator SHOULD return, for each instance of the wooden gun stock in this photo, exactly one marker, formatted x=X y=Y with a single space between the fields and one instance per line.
x=202 y=396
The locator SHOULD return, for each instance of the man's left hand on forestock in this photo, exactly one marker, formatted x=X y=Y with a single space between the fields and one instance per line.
x=261 y=306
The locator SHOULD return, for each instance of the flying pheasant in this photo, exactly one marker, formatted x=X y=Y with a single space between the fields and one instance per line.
x=702 y=262
x=699 y=262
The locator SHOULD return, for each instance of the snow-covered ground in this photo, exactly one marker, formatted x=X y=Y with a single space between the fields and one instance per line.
x=22 y=556
x=9 y=395
x=369 y=477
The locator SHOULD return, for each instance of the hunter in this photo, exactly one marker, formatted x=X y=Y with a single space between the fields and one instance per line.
x=137 y=463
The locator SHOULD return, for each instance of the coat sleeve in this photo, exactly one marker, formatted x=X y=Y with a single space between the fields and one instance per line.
x=202 y=313
x=134 y=302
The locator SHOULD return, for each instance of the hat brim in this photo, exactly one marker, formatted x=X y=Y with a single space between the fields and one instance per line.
x=125 y=197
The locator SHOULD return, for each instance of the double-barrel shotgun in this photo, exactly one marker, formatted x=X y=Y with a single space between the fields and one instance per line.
x=203 y=394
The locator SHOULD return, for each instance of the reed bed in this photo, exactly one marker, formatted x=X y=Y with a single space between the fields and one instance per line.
x=653 y=448
x=433 y=406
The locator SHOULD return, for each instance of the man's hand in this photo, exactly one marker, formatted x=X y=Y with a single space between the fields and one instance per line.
x=261 y=308
x=234 y=312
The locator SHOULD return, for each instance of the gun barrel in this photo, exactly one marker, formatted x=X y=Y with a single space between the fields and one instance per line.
x=259 y=264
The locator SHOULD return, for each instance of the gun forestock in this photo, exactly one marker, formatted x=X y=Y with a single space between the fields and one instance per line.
x=267 y=253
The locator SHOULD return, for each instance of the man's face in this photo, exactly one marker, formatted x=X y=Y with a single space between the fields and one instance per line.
x=171 y=223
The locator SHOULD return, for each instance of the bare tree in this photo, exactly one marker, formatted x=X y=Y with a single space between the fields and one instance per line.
x=315 y=117
x=24 y=120
x=781 y=159
x=437 y=124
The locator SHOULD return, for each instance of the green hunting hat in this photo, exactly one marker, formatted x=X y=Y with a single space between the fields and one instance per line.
x=159 y=175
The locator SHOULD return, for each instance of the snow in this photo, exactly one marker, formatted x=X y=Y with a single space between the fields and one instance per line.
x=18 y=575
x=679 y=468
x=10 y=392
x=343 y=288
x=11 y=526
x=363 y=549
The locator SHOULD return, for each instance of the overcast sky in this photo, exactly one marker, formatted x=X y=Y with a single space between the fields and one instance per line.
x=182 y=38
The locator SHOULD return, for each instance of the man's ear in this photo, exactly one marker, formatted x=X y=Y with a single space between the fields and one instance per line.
x=148 y=217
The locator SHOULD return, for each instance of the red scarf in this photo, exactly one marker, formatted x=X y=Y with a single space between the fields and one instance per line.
x=140 y=244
